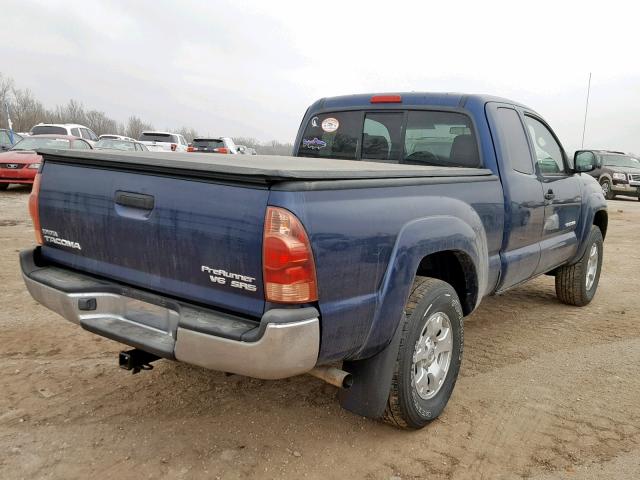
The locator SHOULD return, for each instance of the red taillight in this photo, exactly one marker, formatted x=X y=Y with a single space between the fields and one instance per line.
x=190 y=149
x=173 y=147
x=33 y=209
x=221 y=150
x=288 y=268
x=386 y=99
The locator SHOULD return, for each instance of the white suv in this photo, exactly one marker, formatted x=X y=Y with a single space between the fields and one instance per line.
x=72 y=129
x=163 y=141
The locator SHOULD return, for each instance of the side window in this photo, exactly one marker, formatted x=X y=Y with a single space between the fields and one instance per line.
x=75 y=132
x=514 y=141
x=381 y=137
x=85 y=133
x=81 y=145
x=547 y=150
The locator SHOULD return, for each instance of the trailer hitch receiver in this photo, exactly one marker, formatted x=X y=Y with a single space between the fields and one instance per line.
x=136 y=360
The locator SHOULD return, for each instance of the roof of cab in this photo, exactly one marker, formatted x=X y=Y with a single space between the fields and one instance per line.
x=445 y=99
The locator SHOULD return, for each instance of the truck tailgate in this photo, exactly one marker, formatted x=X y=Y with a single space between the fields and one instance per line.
x=193 y=239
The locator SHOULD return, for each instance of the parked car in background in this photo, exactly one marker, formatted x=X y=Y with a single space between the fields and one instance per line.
x=119 y=144
x=116 y=137
x=71 y=129
x=244 y=150
x=21 y=163
x=214 y=145
x=5 y=139
x=617 y=173
x=163 y=141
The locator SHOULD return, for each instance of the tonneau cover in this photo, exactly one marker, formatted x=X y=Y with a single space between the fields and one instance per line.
x=253 y=168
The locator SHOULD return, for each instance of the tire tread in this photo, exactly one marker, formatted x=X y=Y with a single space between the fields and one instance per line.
x=393 y=413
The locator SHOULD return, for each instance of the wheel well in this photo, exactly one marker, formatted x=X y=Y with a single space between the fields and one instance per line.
x=457 y=269
x=601 y=220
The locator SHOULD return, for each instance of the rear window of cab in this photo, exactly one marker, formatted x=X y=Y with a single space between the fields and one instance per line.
x=414 y=137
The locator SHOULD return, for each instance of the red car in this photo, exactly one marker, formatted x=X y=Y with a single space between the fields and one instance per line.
x=21 y=163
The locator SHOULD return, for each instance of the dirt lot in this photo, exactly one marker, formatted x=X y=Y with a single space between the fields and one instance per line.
x=546 y=391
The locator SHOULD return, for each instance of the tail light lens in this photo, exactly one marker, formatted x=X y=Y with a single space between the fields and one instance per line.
x=190 y=149
x=288 y=268
x=221 y=150
x=173 y=147
x=34 y=210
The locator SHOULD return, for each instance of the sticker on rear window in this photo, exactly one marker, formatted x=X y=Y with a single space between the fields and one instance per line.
x=314 y=143
x=330 y=124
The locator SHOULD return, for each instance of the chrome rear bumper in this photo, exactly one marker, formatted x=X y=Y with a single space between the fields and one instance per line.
x=284 y=343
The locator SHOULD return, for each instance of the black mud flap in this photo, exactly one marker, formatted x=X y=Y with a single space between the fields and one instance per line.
x=371 y=381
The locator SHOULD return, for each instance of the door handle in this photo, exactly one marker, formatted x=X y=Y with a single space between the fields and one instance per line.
x=549 y=195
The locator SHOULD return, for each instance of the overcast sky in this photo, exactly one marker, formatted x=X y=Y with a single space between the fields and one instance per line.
x=251 y=68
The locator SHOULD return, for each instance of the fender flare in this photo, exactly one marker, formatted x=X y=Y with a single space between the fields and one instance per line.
x=416 y=240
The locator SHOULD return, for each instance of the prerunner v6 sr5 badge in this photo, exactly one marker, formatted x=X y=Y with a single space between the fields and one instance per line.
x=233 y=280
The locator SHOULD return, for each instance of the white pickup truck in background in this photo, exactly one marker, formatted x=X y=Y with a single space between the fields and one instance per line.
x=163 y=141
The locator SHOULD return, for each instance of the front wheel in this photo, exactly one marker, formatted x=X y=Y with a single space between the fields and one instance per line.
x=607 y=189
x=577 y=284
x=429 y=356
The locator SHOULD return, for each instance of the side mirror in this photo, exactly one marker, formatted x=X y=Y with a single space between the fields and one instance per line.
x=584 y=161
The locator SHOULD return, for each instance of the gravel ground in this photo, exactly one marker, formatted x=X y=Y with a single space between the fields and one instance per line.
x=546 y=391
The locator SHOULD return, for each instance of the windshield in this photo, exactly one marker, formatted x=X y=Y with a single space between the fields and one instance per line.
x=33 y=143
x=207 y=143
x=620 y=161
x=48 y=130
x=116 y=144
x=158 y=137
x=416 y=137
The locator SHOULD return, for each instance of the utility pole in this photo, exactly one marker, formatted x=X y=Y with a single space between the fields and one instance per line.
x=586 y=109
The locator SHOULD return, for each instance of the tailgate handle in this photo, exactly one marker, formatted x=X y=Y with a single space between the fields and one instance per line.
x=135 y=200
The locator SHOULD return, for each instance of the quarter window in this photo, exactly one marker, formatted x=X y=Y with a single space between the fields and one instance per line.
x=548 y=152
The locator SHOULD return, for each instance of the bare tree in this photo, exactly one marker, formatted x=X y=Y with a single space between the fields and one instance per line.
x=188 y=133
x=135 y=127
x=100 y=123
x=6 y=87
x=26 y=111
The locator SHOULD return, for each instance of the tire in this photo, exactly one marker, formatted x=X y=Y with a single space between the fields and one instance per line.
x=574 y=286
x=607 y=189
x=3 y=186
x=408 y=407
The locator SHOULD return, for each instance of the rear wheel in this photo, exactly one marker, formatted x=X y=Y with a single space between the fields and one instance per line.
x=429 y=356
x=607 y=189
x=577 y=284
x=4 y=186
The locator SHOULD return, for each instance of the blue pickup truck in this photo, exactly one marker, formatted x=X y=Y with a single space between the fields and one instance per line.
x=356 y=259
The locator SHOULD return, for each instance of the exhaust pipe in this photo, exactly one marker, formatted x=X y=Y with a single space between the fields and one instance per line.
x=333 y=375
